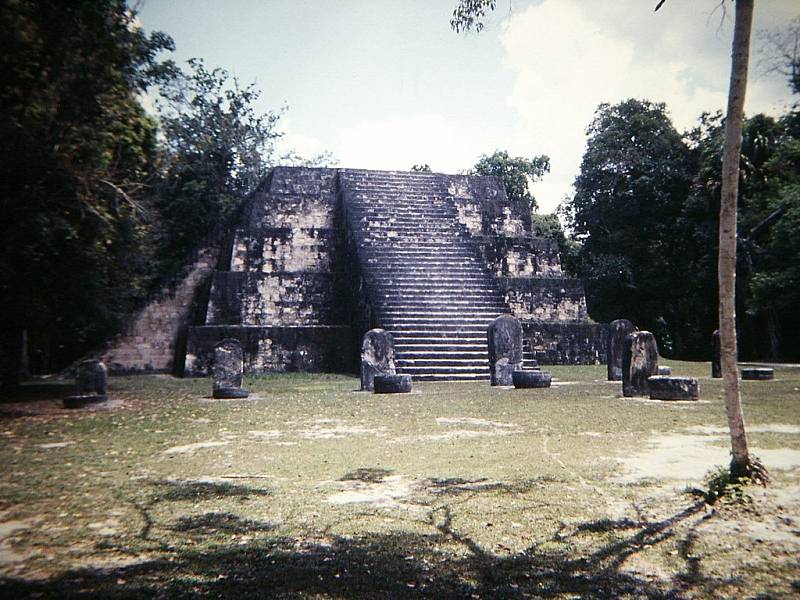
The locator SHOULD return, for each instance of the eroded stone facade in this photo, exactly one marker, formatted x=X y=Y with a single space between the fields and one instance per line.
x=322 y=255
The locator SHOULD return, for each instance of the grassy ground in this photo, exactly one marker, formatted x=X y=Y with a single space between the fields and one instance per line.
x=311 y=489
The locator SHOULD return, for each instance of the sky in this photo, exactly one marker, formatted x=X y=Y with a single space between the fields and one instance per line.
x=386 y=84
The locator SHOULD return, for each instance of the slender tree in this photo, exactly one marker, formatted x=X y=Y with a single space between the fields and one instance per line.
x=742 y=464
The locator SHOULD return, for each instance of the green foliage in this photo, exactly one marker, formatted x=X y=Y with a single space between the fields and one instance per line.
x=469 y=14
x=721 y=486
x=217 y=149
x=517 y=173
x=549 y=227
x=767 y=277
x=635 y=176
x=78 y=152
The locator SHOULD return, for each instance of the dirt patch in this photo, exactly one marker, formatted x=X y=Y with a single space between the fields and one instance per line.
x=55 y=445
x=325 y=429
x=689 y=457
x=474 y=422
x=8 y=531
x=189 y=448
x=765 y=428
x=385 y=493
x=268 y=435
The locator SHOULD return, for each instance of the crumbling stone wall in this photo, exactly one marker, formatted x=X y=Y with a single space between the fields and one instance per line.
x=567 y=343
x=280 y=295
x=150 y=342
x=545 y=299
x=520 y=256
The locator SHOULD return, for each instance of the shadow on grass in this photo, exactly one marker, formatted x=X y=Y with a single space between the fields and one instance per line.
x=215 y=522
x=176 y=491
x=456 y=486
x=397 y=565
x=367 y=475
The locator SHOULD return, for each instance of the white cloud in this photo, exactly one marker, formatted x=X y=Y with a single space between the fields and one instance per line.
x=568 y=56
x=400 y=142
x=297 y=143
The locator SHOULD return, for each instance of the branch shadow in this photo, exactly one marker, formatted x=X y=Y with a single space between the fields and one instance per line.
x=393 y=565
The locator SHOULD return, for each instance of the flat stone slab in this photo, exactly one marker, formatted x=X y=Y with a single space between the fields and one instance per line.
x=225 y=393
x=758 y=374
x=84 y=400
x=663 y=387
x=392 y=384
x=664 y=370
x=531 y=379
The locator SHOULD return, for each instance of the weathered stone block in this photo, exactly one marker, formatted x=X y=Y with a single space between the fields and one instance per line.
x=664 y=370
x=505 y=349
x=758 y=374
x=617 y=332
x=672 y=388
x=92 y=378
x=639 y=362
x=377 y=357
x=228 y=369
x=392 y=384
x=91 y=384
x=531 y=379
x=716 y=349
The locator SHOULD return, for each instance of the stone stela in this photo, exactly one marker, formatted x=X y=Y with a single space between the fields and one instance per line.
x=228 y=370
x=91 y=384
x=617 y=332
x=639 y=363
x=377 y=357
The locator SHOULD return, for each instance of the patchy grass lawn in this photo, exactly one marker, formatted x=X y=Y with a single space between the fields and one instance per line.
x=311 y=489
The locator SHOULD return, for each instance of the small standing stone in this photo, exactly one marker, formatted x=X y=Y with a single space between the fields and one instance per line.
x=617 y=332
x=672 y=388
x=392 y=384
x=664 y=370
x=532 y=379
x=758 y=374
x=228 y=369
x=639 y=361
x=377 y=357
x=716 y=350
x=91 y=384
x=505 y=349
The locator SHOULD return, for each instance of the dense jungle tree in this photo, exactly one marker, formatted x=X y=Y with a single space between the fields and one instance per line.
x=216 y=150
x=517 y=173
x=635 y=175
x=77 y=153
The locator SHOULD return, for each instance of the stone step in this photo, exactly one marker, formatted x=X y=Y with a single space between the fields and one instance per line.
x=451 y=377
x=439 y=328
x=440 y=313
x=427 y=266
x=456 y=260
x=429 y=349
x=426 y=280
x=429 y=354
x=443 y=370
x=385 y=297
x=404 y=363
x=465 y=318
x=428 y=336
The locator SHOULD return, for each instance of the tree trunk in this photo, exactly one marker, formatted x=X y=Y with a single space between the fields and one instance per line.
x=741 y=462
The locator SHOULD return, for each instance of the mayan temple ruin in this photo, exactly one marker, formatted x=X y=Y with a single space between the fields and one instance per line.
x=320 y=256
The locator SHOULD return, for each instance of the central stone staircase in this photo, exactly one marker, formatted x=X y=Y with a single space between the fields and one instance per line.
x=426 y=282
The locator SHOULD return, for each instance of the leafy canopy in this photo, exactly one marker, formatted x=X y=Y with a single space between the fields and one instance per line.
x=517 y=173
